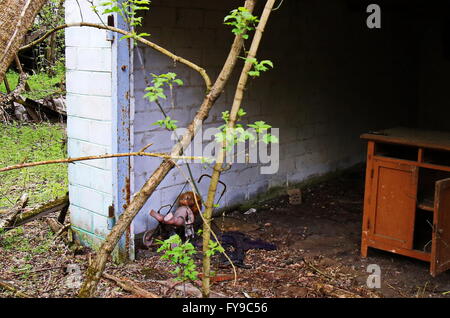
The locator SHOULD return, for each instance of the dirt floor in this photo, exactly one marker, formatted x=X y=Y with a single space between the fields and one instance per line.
x=318 y=255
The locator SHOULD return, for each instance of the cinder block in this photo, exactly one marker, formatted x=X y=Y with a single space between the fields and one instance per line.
x=140 y=221
x=89 y=107
x=189 y=96
x=190 y=18
x=88 y=83
x=235 y=195
x=71 y=58
x=214 y=19
x=257 y=188
x=144 y=167
x=214 y=57
x=86 y=37
x=168 y=195
x=100 y=225
x=90 y=199
x=156 y=62
x=143 y=122
x=277 y=180
x=90 y=177
x=144 y=106
x=73 y=8
x=94 y=131
x=89 y=239
x=80 y=217
x=182 y=115
x=94 y=59
x=297 y=176
x=160 y=16
x=78 y=148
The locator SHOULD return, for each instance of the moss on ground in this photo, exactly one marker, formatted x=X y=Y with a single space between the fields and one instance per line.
x=28 y=143
x=41 y=84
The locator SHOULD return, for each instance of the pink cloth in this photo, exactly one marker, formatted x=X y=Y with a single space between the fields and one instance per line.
x=183 y=211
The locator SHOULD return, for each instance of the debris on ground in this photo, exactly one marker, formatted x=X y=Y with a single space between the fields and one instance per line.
x=317 y=255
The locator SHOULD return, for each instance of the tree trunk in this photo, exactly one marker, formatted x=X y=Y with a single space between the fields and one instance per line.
x=8 y=286
x=95 y=270
x=209 y=204
x=16 y=17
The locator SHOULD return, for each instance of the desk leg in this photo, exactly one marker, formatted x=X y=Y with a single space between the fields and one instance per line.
x=367 y=194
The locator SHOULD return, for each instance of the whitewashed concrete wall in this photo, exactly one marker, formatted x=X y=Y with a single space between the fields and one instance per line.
x=89 y=130
x=333 y=80
x=434 y=67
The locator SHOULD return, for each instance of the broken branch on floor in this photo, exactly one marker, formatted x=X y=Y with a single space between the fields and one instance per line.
x=188 y=288
x=45 y=106
x=15 y=94
x=59 y=228
x=130 y=286
x=333 y=291
x=41 y=270
x=9 y=219
x=41 y=210
x=315 y=269
x=8 y=286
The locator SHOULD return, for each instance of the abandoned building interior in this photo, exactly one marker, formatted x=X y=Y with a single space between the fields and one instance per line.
x=334 y=79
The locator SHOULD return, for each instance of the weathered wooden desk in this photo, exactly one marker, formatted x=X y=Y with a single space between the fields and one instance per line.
x=407 y=195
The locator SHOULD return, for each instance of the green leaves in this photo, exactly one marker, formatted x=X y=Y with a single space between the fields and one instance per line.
x=156 y=91
x=214 y=247
x=29 y=143
x=113 y=7
x=167 y=123
x=260 y=126
x=128 y=10
x=226 y=115
x=169 y=79
x=134 y=35
x=232 y=136
x=258 y=67
x=268 y=139
x=241 y=20
x=179 y=254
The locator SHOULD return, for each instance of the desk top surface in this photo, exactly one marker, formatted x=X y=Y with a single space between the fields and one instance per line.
x=412 y=137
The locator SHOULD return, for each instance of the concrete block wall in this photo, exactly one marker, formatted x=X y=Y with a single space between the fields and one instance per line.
x=333 y=80
x=434 y=67
x=89 y=129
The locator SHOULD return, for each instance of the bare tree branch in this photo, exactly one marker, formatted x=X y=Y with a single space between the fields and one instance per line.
x=95 y=270
x=209 y=204
x=70 y=160
x=154 y=46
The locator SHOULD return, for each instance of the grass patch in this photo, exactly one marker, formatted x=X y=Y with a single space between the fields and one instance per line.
x=28 y=143
x=42 y=84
